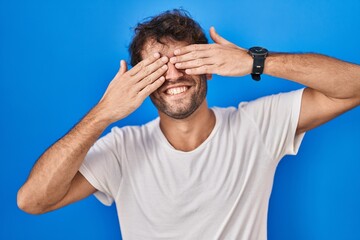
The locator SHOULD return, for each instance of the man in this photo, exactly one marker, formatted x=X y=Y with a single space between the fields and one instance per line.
x=194 y=172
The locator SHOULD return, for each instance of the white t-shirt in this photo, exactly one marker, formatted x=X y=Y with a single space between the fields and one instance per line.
x=220 y=190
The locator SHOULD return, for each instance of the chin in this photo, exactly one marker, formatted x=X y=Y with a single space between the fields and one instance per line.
x=180 y=115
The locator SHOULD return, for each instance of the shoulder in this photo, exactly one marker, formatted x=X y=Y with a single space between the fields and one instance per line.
x=258 y=111
x=282 y=97
x=135 y=132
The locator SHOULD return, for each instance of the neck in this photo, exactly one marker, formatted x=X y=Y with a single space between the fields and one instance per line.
x=189 y=133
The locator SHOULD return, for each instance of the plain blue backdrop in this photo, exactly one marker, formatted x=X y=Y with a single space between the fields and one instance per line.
x=57 y=57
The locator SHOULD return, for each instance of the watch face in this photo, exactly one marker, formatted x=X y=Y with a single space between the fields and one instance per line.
x=258 y=51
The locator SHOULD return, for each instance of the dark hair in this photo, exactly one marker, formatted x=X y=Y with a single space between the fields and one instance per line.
x=175 y=24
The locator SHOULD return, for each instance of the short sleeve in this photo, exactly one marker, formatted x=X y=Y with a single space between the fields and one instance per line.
x=102 y=167
x=277 y=117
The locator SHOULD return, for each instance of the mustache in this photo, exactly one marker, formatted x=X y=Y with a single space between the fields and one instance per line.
x=179 y=81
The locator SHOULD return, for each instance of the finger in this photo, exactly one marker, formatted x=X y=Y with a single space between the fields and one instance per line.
x=194 y=63
x=138 y=67
x=191 y=56
x=206 y=69
x=191 y=48
x=123 y=67
x=220 y=40
x=151 y=78
x=146 y=91
x=217 y=38
x=153 y=67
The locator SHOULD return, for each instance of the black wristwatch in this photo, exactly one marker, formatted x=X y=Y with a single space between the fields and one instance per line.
x=258 y=54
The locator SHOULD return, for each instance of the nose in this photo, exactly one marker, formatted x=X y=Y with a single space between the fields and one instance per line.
x=172 y=73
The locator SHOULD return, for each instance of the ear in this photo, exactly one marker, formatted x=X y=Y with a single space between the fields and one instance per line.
x=208 y=76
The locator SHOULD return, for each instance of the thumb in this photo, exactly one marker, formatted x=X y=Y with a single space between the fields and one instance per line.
x=217 y=38
x=123 y=67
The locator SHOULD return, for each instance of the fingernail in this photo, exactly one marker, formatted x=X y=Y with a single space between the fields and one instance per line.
x=156 y=54
x=164 y=59
x=177 y=65
x=173 y=59
x=187 y=71
x=162 y=78
x=177 y=51
x=164 y=67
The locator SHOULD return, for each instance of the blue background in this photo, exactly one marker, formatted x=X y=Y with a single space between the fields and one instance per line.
x=57 y=57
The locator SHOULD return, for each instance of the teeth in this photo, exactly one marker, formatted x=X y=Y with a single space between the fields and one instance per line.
x=176 y=90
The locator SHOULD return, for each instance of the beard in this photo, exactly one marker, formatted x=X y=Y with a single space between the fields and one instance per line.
x=183 y=107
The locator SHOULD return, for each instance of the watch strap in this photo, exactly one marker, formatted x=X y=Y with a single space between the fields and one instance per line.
x=258 y=67
x=255 y=77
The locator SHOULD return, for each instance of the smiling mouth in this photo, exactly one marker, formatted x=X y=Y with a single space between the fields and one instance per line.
x=176 y=90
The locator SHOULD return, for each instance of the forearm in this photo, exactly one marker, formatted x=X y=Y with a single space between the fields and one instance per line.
x=51 y=176
x=332 y=77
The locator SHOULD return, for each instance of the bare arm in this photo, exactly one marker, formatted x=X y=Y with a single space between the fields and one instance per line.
x=333 y=85
x=54 y=180
x=54 y=172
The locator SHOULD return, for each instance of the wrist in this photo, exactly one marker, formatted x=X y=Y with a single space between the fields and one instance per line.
x=248 y=64
x=272 y=61
x=99 y=116
x=269 y=64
